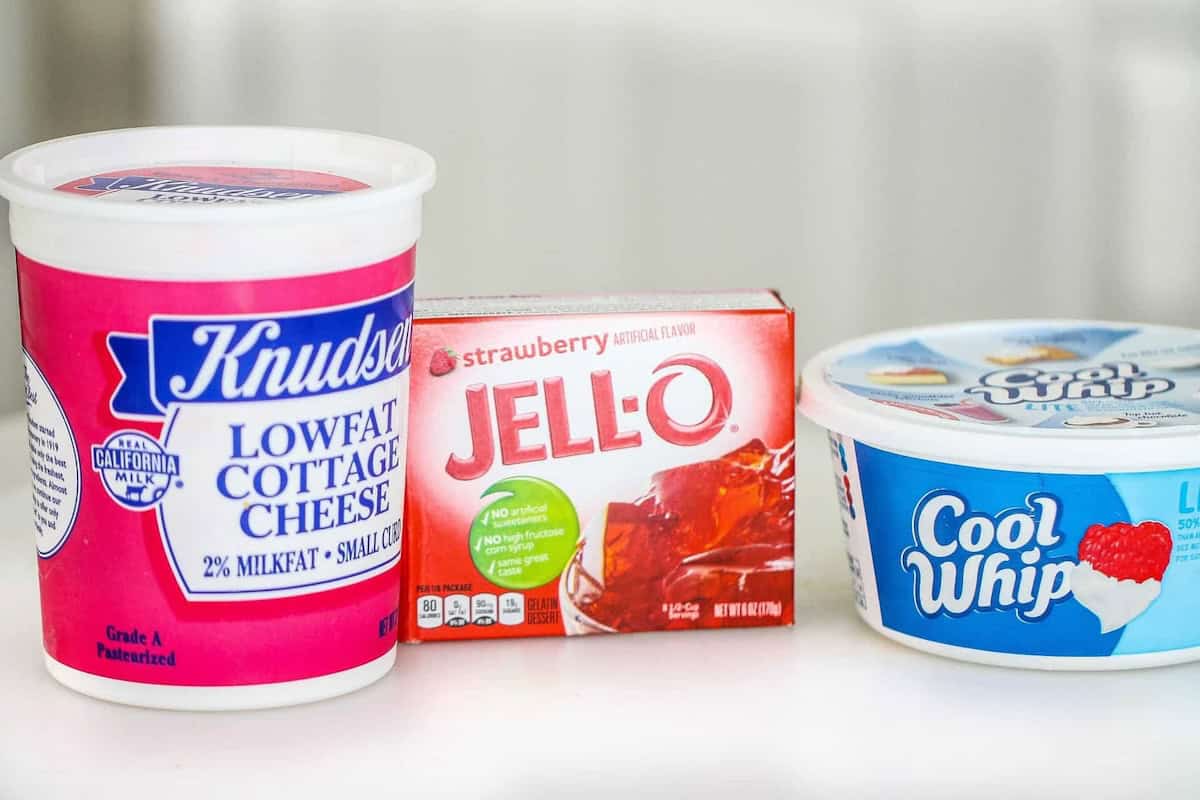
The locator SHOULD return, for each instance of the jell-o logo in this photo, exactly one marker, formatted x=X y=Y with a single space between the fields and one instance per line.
x=610 y=429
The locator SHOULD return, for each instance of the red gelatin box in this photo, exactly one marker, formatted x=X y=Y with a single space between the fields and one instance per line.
x=608 y=464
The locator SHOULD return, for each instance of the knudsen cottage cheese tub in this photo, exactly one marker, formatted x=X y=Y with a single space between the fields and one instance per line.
x=1021 y=493
x=216 y=325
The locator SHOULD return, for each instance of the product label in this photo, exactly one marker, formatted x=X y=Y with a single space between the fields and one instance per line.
x=1030 y=563
x=218 y=461
x=297 y=490
x=600 y=472
x=53 y=464
x=1070 y=376
x=208 y=185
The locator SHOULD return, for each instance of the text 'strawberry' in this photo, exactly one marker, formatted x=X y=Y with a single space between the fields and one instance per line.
x=442 y=362
x=1128 y=552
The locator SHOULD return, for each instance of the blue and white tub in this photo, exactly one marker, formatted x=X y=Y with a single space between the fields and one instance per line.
x=1021 y=493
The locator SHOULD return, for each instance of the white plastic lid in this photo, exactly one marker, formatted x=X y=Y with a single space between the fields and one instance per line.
x=1041 y=395
x=197 y=203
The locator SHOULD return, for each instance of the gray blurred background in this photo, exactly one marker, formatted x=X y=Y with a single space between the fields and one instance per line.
x=883 y=163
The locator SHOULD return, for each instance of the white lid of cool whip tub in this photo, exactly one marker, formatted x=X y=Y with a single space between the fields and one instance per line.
x=1044 y=395
x=215 y=203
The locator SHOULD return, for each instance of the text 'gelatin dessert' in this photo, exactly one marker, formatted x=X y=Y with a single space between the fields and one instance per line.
x=600 y=464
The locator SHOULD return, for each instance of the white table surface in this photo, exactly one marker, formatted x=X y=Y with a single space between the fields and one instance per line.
x=824 y=709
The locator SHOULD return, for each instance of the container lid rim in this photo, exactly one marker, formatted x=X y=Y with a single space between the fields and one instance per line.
x=412 y=173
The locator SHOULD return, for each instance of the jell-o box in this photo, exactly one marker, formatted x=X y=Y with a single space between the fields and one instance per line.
x=599 y=465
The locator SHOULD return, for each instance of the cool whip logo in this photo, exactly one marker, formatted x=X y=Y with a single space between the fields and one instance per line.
x=1122 y=380
x=963 y=560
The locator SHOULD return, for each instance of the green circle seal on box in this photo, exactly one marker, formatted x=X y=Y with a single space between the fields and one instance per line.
x=525 y=537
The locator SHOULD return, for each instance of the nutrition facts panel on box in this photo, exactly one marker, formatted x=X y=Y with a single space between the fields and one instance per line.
x=460 y=610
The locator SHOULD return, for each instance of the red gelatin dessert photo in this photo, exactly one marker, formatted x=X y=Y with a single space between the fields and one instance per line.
x=710 y=545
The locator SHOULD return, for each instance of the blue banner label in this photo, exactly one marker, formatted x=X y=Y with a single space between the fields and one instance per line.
x=1032 y=563
x=215 y=359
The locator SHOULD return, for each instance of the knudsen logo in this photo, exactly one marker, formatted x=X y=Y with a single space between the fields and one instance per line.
x=142 y=183
x=1122 y=380
x=240 y=359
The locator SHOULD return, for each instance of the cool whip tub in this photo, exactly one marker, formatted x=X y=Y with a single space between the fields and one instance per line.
x=216 y=325
x=1021 y=493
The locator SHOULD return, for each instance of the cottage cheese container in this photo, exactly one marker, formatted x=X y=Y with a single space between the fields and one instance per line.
x=216 y=325
x=1021 y=493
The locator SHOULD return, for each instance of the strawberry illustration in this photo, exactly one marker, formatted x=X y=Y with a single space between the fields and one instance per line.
x=1120 y=570
x=443 y=362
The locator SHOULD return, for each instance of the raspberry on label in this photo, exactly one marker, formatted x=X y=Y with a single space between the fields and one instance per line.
x=1128 y=552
